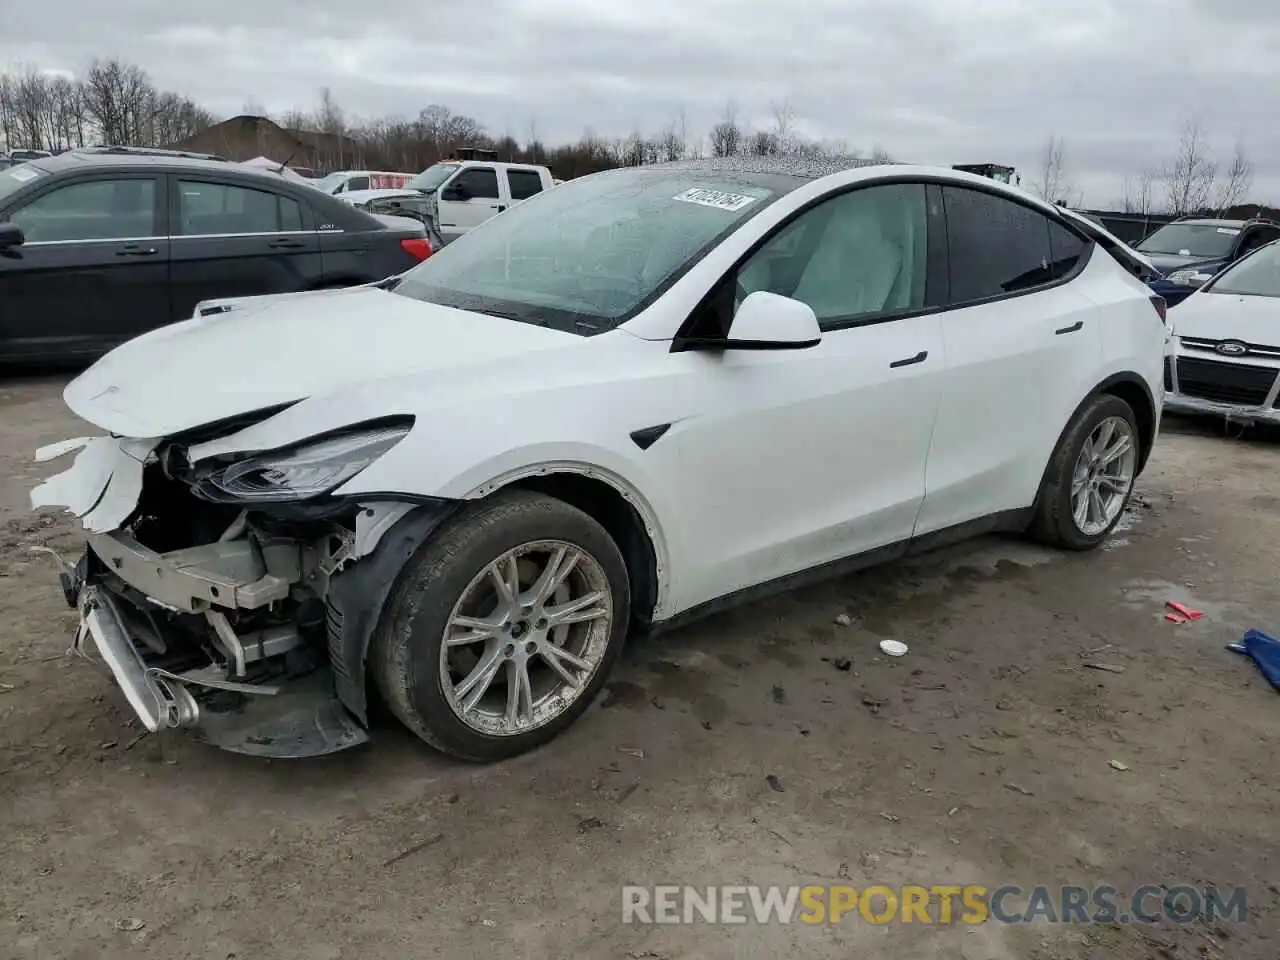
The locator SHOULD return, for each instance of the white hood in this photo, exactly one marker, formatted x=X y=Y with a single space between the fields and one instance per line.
x=275 y=350
x=1226 y=316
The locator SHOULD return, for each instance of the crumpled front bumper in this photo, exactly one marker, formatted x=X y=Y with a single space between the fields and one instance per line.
x=1233 y=412
x=299 y=716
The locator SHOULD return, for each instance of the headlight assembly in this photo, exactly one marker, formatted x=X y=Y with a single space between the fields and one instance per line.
x=308 y=470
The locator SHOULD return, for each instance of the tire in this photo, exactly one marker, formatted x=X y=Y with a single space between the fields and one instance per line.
x=1054 y=522
x=405 y=657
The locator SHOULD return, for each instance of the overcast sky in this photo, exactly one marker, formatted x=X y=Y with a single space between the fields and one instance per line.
x=950 y=81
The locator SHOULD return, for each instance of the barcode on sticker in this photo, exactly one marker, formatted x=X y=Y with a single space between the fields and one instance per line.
x=1229 y=231
x=715 y=198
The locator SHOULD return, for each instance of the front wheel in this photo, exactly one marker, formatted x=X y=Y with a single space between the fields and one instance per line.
x=503 y=627
x=1090 y=476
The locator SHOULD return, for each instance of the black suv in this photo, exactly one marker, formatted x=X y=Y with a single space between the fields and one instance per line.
x=99 y=245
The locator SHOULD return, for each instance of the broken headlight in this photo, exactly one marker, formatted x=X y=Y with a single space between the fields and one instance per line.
x=302 y=472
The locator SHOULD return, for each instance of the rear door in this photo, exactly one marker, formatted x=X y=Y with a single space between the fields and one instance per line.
x=233 y=239
x=468 y=200
x=93 y=271
x=1023 y=343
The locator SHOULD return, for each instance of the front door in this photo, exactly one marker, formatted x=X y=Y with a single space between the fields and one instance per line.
x=796 y=458
x=468 y=200
x=231 y=240
x=93 y=270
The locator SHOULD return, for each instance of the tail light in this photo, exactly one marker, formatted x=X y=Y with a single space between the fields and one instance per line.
x=418 y=247
x=1162 y=308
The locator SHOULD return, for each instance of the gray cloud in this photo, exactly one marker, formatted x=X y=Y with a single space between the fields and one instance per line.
x=933 y=80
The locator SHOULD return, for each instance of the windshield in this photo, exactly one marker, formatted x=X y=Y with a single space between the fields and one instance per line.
x=432 y=177
x=1254 y=276
x=1192 y=240
x=331 y=182
x=15 y=178
x=587 y=255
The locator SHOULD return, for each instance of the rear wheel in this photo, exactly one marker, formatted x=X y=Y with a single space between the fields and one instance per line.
x=1090 y=476
x=503 y=627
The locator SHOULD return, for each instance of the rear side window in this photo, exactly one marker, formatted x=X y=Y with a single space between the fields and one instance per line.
x=358 y=183
x=212 y=209
x=524 y=183
x=1065 y=250
x=997 y=246
x=481 y=182
x=98 y=210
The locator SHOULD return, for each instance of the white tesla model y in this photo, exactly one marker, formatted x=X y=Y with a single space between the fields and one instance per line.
x=628 y=400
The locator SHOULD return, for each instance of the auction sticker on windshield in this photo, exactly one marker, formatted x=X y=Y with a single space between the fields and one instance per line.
x=23 y=174
x=732 y=202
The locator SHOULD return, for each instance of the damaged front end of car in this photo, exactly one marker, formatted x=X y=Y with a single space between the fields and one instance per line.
x=235 y=595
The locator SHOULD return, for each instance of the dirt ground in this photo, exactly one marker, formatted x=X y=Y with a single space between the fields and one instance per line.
x=736 y=751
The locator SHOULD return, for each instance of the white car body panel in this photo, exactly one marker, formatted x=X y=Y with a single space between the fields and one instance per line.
x=209 y=368
x=775 y=461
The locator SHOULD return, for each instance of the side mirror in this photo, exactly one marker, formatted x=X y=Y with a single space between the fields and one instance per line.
x=11 y=236
x=456 y=191
x=767 y=321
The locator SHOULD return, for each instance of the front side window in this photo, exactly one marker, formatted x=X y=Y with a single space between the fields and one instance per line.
x=480 y=183
x=218 y=209
x=1259 y=237
x=96 y=210
x=589 y=254
x=1256 y=276
x=1205 y=240
x=996 y=245
x=857 y=255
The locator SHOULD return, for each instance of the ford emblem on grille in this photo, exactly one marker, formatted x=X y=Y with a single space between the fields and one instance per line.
x=1232 y=348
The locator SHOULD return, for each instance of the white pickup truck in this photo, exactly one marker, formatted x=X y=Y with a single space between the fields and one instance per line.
x=465 y=193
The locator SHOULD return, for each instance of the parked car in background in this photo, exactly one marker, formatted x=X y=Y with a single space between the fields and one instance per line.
x=1190 y=251
x=1226 y=354
x=597 y=415
x=22 y=156
x=97 y=246
x=396 y=203
x=350 y=180
x=465 y=193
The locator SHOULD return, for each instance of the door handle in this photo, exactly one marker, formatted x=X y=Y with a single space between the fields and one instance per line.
x=286 y=244
x=1078 y=325
x=133 y=250
x=918 y=358
x=497 y=206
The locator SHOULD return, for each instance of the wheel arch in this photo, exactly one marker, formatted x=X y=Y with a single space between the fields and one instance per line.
x=358 y=596
x=1134 y=391
x=618 y=507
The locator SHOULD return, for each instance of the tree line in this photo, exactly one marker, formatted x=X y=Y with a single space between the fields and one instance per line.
x=1190 y=182
x=116 y=102
x=111 y=103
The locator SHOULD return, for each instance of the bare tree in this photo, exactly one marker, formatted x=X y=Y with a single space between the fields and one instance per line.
x=727 y=136
x=783 y=125
x=880 y=155
x=1189 y=178
x=1051 y=176
x=1139 y=193
x=1238 y=180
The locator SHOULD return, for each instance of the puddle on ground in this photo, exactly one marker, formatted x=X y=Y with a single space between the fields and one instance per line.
x=1151 y=596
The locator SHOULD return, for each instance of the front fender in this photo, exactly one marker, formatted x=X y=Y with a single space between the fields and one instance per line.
x=443 y=472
